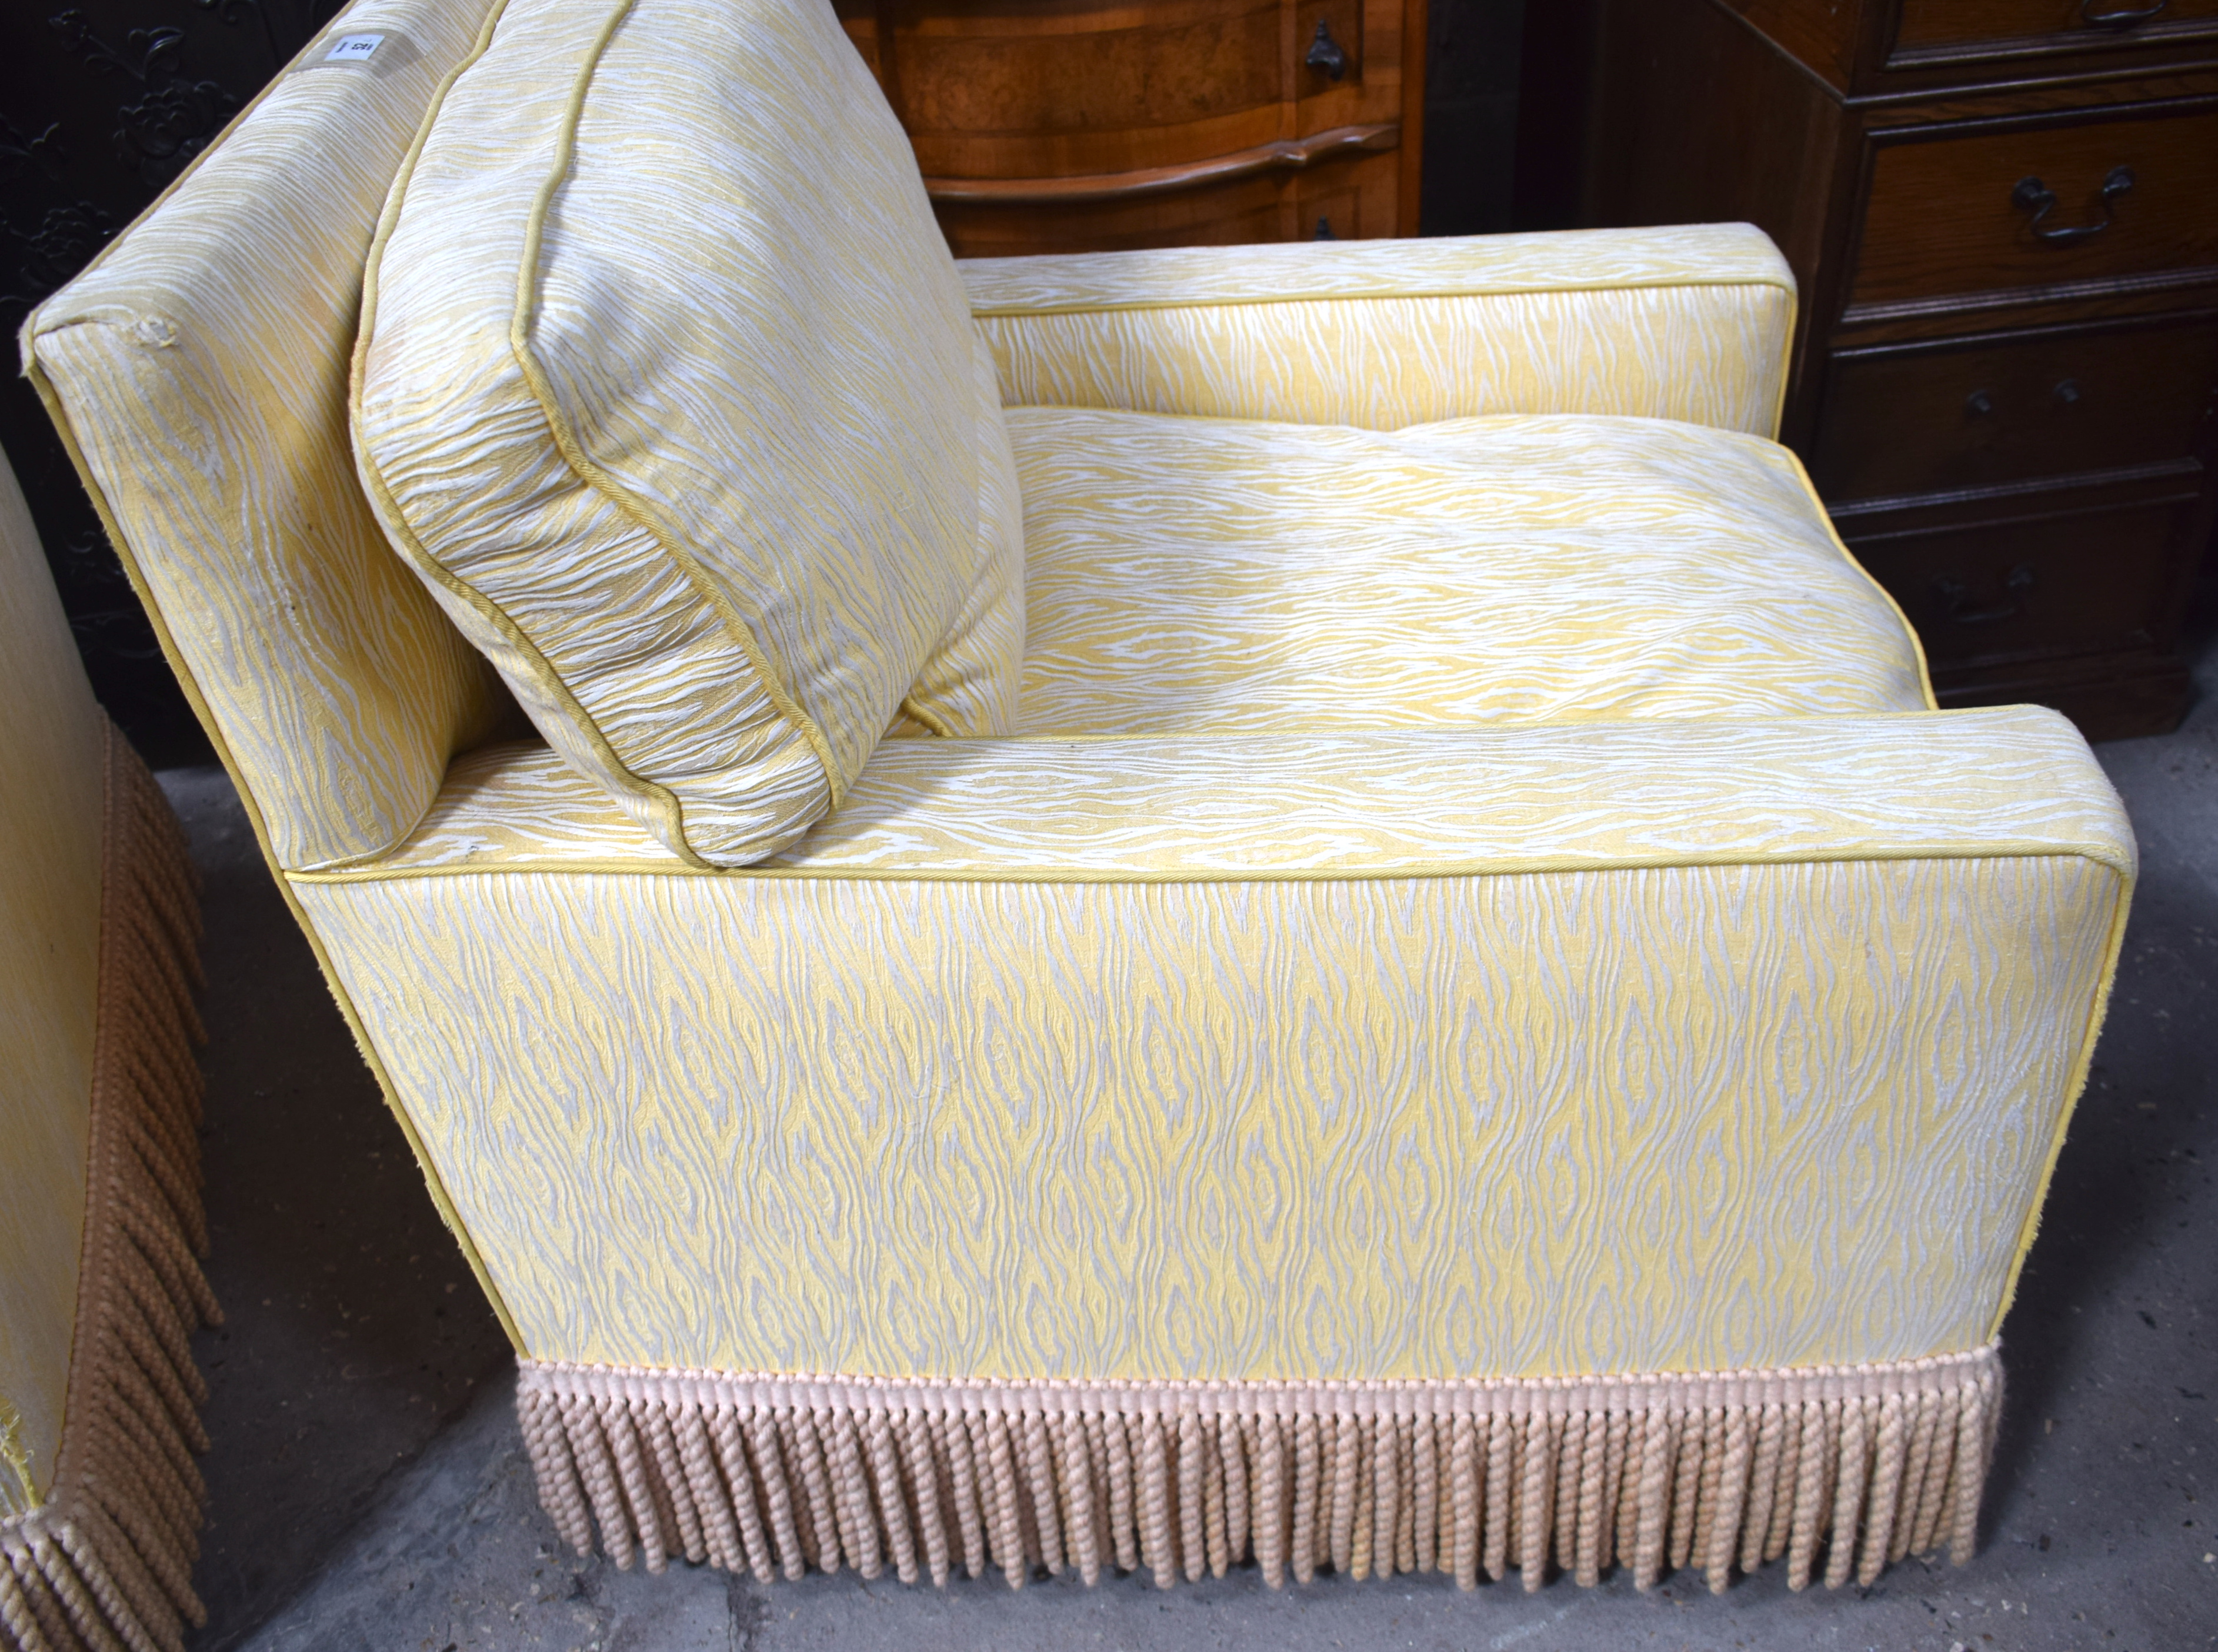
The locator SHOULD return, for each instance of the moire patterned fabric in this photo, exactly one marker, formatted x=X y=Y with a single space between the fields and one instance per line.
x=199 y=367
x=1452 y=887
x=1679 y=324
x=1223 y=576
x=668 y=388
x=1240 y=1058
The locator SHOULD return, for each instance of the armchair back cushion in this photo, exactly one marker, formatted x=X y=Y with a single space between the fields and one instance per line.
x=669 y=389
x=199 y=368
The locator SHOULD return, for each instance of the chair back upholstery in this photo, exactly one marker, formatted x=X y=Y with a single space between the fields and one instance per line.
x=199 y=369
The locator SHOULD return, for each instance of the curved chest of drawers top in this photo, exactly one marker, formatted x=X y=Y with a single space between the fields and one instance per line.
x=1079 y=125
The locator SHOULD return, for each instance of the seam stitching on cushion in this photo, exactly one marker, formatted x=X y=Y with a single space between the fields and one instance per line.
x=1017 y=309
x=1537 y=865
x=737 y=625
x=660 y=798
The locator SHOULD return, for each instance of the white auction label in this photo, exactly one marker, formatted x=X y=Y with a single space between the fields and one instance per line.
x=354 y=48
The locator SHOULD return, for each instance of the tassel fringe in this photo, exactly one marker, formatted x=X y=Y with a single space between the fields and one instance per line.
x=105 y=1561
x=1839 y=1468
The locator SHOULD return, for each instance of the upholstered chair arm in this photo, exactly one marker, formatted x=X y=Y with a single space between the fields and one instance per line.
x=1801 y=1001
x=1688 y=323
x=1391 y=803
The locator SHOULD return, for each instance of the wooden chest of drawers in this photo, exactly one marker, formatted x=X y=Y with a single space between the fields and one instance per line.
x=1055 y=126
x=2004 y=217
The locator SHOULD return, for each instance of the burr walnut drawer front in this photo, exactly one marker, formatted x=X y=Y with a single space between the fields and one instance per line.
x=1993 y=209
x=1936 y=419
x=1069 y=125
x=2082 y=582
x=1930 y=24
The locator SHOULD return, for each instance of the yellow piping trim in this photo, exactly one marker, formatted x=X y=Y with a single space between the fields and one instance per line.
x=1509 y=866
x=739 y=627
x=440 y=1198
x=1104 y=305
x=2072 y=1092
x=665 y=805
x=920 y=713
x=1909 y=631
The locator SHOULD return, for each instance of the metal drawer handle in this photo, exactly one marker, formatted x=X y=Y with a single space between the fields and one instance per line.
x=1957 y=598
x=2124 y=17
x=1325 y=52
x=2032 y=196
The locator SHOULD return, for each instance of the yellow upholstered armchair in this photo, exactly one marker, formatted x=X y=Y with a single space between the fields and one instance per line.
x=1098 y=912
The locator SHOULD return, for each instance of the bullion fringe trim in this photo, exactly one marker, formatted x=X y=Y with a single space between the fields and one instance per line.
x=1850 y=1467
x=106 y=1561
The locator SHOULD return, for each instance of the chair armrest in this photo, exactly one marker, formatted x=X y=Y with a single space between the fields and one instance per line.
x=1614 y=1047
x=1688 y=323
x=2010 y=782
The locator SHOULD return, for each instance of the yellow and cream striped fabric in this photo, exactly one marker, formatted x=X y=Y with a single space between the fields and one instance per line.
x=51 y=741
x=669 y=390
x=1210 y=576
x=199 y=367
x=1369 y=804
x=1689 y=323
x=1650 y=1046
x=1506 y=977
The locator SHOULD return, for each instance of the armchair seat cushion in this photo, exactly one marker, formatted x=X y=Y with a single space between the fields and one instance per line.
x=1218 y=576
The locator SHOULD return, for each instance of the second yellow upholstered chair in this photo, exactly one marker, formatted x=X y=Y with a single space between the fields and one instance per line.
x=101 y=1224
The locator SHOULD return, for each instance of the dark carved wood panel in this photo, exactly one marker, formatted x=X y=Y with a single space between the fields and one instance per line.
x=1823 y=36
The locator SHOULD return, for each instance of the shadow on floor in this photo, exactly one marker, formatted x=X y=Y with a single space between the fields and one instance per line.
x=353 y=1329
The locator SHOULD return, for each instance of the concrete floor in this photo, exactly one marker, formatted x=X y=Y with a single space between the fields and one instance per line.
x=368 y=1489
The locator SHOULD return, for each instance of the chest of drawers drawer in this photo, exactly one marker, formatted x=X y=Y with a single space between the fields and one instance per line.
x=1988 y=413
x=1933 y=26
x=1053 y=125
x=1996 y=588
x=1989 y=210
